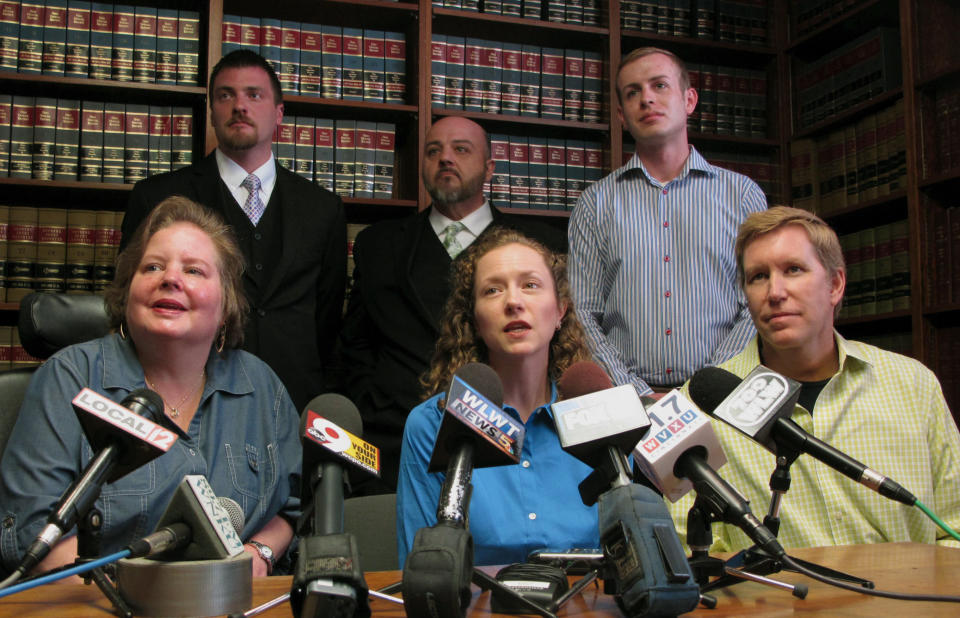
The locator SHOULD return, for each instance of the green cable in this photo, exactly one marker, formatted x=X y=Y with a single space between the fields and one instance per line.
x=937 y=520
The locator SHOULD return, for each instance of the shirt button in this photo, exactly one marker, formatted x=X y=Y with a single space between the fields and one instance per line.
x=669 y=371
x=259 y=266
x=667 y=293
x=666 y=224
x=669 y=331
x=666 y=258
x=261 y=313
x=664 y=191
x=532 y=516
x=8 y=522
x=526 y=463
x=257 y=236
x=193 y=452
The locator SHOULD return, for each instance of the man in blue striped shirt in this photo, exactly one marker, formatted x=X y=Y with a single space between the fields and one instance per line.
x=651 y=245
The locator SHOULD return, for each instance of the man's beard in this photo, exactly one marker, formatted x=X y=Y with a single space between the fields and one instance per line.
x=236 y=140
x=455 y=195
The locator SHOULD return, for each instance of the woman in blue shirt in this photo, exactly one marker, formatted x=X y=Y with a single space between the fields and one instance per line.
x=510 y=307
x=178 y=309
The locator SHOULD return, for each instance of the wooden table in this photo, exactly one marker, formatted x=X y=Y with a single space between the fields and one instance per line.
x=900 y=567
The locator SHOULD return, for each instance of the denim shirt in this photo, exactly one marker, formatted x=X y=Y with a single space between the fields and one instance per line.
x=243 y=438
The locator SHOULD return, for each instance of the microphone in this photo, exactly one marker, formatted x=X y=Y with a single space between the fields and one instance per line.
x=681 y=449
x=123 y=437
x=760 y=406
x=474 y=432
x=329 y=579
x=644 y=561
x=196 y=525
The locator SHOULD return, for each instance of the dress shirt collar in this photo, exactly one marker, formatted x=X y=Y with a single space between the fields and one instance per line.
x=475 y=222
x=232 y=174
x=849 y=352
x=545 y=408
x=695 y=162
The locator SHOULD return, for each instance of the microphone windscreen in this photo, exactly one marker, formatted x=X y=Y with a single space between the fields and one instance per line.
x=583 y=378
x=237 y=520
x=484 y=380
x=144 y=402
x=709 y=386
x=337 y=409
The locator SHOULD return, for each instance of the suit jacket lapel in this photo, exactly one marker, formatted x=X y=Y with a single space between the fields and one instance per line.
x=411 y=234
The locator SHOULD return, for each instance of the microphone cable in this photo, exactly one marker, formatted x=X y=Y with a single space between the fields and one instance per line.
x=74 y=570
x=933 y=517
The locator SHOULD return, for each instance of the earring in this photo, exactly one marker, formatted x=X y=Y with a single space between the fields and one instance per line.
x=223 y=338
x=123 y=335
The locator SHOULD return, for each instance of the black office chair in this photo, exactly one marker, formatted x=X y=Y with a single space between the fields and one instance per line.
x=48 y=322
x=373 y=522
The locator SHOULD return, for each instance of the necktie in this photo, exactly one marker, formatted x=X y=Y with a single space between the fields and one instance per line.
x=254 y=206
x=450 y=242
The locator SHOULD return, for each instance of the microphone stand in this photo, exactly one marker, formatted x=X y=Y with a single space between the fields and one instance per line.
x=89 y=534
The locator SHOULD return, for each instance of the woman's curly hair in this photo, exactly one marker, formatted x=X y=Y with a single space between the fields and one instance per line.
x=459 y=342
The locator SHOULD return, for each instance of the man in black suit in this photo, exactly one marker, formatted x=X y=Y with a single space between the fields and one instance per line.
x=400 y=284
x=291 y=231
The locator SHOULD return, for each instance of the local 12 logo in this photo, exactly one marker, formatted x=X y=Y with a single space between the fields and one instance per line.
x=669 y=417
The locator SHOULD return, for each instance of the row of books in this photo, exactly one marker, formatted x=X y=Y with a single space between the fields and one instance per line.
x=941 y=270
x=940 y=129
x=509 y=78
x=353 y=64
x=56 y=250
x=734 y=21
x=12 y=354
x=856 y=71
x=944 y=344
x=811 y=14
x=582 y=12
x=861 y=161
x=66 y=139
x=732 y=101
x=878 y=270
x=352 y=158
x=542 y=173
x=899 y=342
x=99 y=40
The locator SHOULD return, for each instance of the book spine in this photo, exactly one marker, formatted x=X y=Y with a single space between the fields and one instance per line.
x=21 y=252
x=81 y=249
x=49 y=274
x=91 y=141
x=22 y=114
x=66 y=157
x=286 y=141
x=30 y=54
x=136 y=143
x=573 y=12
x=531 y=9
x=575 y=172
x=271 y=43
x=104 y=251
x=572 y=84
x=123 y=29
x=344 y=155
x=166 y=58
x=352 y=64
x=4 y=234
x=145 y=45
x=500 y=181
x=77 y=54
x=395 y=67
x=453 y=67
x=551 y=83
x=900 y=258
x=530 y=84
x=519 y=172
x=290 y=46
x=708 y=98
x=230 y=34
x=868 y=260
x=884 y=243
x=101 y=40
x=304 y=146
x=538 y=173
x=44 y=137
x=492 y=7
x=181 y=143
x=54 y=37
x=188 y=48
x=323 y=153
x=725 y=100
x=114 y=122
x=648 y=15
x=385 y=154
x=556 y=10
x=373 y=66
x=6 y=113
x=741 y=102
x=591 y=13
x=680 y=15
x=556 y=173
x=705 y=19
x=366 y=156
x=332 y=85
x=512 y=79
x=473 y=75
x=592 y=163
x=158 y=156
x=9 y=39
x=592 y=86
x=510 y=7
x=251 y=35
x=311 y=59
x=491 y=63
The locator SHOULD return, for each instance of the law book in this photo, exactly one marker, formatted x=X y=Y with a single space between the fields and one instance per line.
x=271 y=40
x=591 y=12
x=114 y=123
x=726 y=26
x=704 y=19
x=101 y=40
x=332 y=55
x=592 y=86
x=884 y=256
x=344 y=155
x=104 y=250
x=556 y=173
x=304 y=146
x=66 y=157
x=311 y=59
x=530 y=81
x=492 y=7
x=44 y=137
x=323 y=146
x=757 y=102
x=538 y=173
x=49 y=273
x=385 y=155
x=741 y=101
x=21 y=252
x=512 y=79
x=592 y=162
x=9 y=36
x=664 y=21
x=91 y=141
x=850 y=168
x=851 y=256
x=556 y=10
x=54 y=37
x=6 y=336
x=181 y=142
x=188 y=48
x=286 y=141
x=867 y=157
x=802 y=191
x=160 y=138
x=648 y=15
x=6 y=102
x=868 y=274
x=551 y=83
x=4 y=233
x=473 y=75
x=572 y=84
x=499 y=191
x=124 y=25
x=81 y=250
x=166 y=59
x=898 y=173
x=886 y=127
x=452 y=4
x=364 y=170
x=681 y=14
x=725 y=100
x=531 y=9
x=352 y=64
x=395 y=67
x=373 y=66
x=519 y=172
x=573 y=12
x=491 y=62
x=230 y=34
x=30 y=54
x=145 y=45
x=77 y=53
x=136 y=142
x=900 y=259
x=708 y=98
x=290 y=51
x=629 y=15
x=453 y=67
x=438 y=70
x=576 y=162
x=511 y=7
x=251 y=35
x=21 y=136
x=19 y=358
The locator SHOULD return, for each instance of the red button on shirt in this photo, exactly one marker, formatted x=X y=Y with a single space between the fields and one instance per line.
x=668 y=332
x=666 y=258
x=664 y=191
x=666 y=224
x=667 y=294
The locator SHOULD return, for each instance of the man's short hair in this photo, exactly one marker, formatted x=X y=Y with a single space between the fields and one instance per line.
x=641 y=52
x=242 y=58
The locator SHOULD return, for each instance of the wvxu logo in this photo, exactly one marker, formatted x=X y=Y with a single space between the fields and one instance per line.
x=671 y=416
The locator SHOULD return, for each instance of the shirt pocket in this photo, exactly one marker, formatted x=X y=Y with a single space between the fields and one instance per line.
x=253 y=468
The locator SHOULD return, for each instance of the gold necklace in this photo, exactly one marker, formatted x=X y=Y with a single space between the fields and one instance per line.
x=175 y=410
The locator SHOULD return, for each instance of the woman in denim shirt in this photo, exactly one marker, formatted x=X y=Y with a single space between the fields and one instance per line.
x=177 y=308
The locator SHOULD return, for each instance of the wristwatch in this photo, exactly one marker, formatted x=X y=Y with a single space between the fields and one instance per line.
x=265 y=552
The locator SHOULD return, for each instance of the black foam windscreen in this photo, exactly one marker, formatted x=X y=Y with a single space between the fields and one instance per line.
x=338 y=410
x=709 y=386
x=484 y=380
